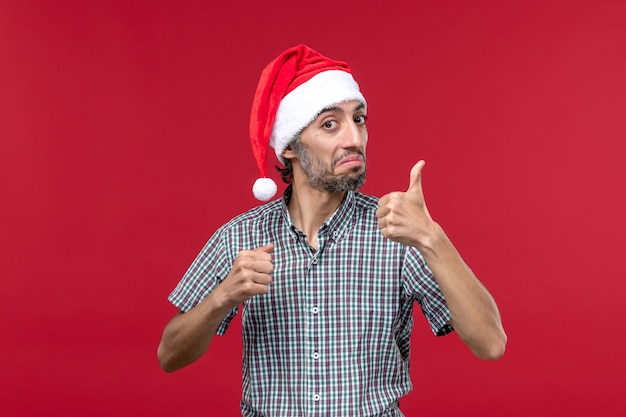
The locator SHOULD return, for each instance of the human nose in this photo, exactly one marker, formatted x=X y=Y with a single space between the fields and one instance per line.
x=355 y=136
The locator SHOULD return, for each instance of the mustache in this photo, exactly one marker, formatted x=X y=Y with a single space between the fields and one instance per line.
x=346 y=154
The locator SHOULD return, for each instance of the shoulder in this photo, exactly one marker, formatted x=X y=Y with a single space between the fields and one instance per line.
x=254 y=222
x=365 y=202
x=363 y=214
x=267 y=212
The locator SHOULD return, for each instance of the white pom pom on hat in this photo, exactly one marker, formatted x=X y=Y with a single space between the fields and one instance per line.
x=293 y=89
x=264 y=189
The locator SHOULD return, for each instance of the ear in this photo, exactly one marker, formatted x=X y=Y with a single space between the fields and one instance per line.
x=289 y=153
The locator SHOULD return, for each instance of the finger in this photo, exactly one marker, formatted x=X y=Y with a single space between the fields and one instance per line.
x=263 y=266
x=415 y=182
x=259 y=289
x=382 y=211
x=251 y=289
x=262 y=279
x=262 y=252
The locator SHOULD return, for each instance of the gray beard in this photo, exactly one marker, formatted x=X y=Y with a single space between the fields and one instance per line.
x=320 y=176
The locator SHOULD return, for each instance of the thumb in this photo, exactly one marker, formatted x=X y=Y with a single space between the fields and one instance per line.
x=415 y=182
x=269 y=248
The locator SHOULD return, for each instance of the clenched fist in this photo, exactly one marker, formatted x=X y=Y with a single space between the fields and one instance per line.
x=250 y=275
x=403 y=216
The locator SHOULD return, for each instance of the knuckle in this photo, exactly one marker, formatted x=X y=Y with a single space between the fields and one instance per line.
x=240 y=260
x=248 y=263
x=248 y=288
x=246 y=275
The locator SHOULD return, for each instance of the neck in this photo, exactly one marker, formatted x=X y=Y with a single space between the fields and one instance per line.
x=310 y=208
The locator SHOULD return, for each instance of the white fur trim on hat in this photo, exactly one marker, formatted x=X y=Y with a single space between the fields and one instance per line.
x=302 y=105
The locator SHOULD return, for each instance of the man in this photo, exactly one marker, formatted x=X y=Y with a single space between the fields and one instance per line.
x=326 y=276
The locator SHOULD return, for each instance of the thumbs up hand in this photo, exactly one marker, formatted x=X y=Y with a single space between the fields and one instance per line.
x=403 y=216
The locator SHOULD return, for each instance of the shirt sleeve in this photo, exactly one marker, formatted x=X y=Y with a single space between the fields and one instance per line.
x=206 y=272
x=421 y=285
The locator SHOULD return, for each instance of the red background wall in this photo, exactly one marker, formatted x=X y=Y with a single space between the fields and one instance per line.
x=123 y=145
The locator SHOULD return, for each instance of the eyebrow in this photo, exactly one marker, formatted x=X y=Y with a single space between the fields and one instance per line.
x=361 y=106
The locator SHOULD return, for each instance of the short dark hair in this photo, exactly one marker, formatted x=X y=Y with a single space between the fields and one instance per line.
x=286 y=173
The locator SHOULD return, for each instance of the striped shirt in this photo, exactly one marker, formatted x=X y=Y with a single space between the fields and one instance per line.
x=332 y=335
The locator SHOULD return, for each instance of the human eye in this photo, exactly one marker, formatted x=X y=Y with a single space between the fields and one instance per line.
x=360 y=120
x=329 y=124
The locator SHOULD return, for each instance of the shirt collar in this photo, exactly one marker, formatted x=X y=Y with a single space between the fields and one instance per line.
x=336 y=225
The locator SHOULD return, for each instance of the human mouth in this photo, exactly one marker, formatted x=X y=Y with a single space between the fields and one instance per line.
x=350 y=161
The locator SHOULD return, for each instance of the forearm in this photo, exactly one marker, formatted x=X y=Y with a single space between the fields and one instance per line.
x=188 y=335
x=474 y=313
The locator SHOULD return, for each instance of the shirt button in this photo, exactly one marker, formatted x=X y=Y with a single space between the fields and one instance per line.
x=314 y=262
x=315 y=310
x=316 y=397
x=316 y=355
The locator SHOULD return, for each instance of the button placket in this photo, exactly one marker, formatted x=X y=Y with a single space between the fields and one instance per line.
x=313 y=340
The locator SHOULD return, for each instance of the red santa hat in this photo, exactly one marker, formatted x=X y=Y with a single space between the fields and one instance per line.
x=292 y=91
